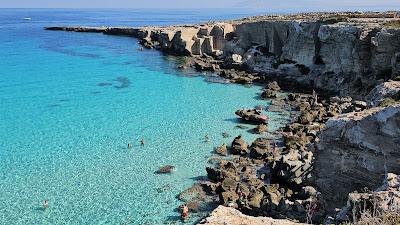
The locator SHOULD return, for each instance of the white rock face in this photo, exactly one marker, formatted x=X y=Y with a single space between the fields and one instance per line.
x=337 y=47
x=355 y=151
x=301 y=45
x=343 y=57
x=230 y=216
x=184 y=42
x=237 y=58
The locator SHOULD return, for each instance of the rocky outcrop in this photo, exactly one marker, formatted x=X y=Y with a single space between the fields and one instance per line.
x=226 y=215
x=252 y=116
x=384 y=91
x=345 y=53
x=356 y=151
x=271 y=90
x=239 y=146
x=222 y=150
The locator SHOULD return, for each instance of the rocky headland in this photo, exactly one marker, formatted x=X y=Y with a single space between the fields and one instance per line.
x=341 y=75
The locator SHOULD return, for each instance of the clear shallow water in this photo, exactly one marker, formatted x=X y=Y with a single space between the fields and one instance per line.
x=70 y=103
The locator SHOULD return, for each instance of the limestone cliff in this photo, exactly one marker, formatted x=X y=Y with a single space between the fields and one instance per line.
x=345 y=53
x=357 y=151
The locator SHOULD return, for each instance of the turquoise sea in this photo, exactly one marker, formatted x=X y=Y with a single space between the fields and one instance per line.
x=71 y=102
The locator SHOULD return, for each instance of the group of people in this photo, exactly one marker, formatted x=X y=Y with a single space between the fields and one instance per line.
x=141 y=144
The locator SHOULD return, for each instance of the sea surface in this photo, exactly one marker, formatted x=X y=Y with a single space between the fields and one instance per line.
x=71 y=102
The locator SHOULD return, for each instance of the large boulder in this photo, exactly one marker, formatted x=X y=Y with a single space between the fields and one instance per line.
x=293 y=167
x=239 y=146
x=252 y=116
x=260 y=148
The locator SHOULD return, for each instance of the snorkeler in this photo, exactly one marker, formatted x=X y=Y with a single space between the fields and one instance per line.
x=142 y=142
x=46 y=204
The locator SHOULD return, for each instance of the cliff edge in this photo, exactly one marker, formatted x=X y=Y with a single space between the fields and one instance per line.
x=343 y=53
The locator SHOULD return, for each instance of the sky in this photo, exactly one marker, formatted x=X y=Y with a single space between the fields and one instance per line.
x=267 y=5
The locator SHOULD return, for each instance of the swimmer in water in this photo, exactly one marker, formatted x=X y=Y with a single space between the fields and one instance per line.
x=46 y=204
x=129 y=145
x=142 y=142
x=206 y=138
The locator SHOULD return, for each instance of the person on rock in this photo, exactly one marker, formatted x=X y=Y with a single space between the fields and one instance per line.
x=185 y=212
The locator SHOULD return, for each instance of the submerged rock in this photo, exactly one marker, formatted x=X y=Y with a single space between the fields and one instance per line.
x=165 y=169
x=225 y=135
x=241 y=127
x=260 y=129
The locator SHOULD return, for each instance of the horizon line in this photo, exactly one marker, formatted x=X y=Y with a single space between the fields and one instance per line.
x=199 y=8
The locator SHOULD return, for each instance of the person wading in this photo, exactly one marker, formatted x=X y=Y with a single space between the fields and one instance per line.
x=142 y=142
x=45 y=204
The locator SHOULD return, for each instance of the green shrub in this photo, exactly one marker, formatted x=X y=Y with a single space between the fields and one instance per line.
x=388 y=102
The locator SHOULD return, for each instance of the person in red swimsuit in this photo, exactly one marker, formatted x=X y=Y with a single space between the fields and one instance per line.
x=185 y=212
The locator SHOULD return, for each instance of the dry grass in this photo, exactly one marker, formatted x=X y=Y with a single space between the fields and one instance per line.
x=366 y=213
x=387 y=218
x=392 y=24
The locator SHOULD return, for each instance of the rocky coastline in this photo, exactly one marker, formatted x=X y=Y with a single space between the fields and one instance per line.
x=342 y=73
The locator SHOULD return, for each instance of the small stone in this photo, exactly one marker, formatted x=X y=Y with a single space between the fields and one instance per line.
x=222 y=150
x=260 y=129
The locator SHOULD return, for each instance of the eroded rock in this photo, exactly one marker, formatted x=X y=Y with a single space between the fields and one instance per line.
x=252 y=115
x=354 y=152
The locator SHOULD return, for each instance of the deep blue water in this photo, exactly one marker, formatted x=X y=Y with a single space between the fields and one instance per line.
x=70 y=103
